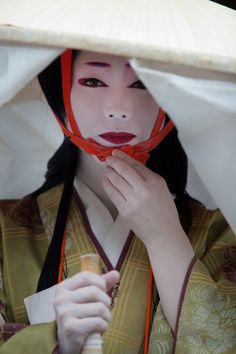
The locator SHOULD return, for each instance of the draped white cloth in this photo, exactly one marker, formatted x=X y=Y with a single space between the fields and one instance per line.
x=201 y=103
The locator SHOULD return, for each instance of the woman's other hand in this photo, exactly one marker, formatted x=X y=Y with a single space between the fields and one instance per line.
x=141 y=197
x=144 y=201
x=82 y=307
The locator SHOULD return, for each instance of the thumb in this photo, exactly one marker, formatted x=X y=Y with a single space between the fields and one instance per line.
x=111 y=278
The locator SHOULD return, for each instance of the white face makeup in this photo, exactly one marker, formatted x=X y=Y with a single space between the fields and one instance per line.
x=109 y=102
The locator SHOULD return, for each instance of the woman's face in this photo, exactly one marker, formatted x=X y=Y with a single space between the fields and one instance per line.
x=109 y=102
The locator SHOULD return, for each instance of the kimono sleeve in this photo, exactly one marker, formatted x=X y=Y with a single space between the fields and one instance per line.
x=37 y=339
x=206 y=321
x=21 y=338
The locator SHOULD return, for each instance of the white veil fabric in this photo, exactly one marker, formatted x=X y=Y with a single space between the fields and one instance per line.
x=203 y=106
x=28 y=136
x=196 y=89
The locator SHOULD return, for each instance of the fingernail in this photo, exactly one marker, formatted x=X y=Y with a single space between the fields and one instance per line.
x=116 y=152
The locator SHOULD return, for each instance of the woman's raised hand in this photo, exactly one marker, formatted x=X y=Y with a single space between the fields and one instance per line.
x=82 y=307
x=141 y=197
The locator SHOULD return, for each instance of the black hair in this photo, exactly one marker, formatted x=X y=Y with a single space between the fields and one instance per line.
x=168 y=159
x=60 y=168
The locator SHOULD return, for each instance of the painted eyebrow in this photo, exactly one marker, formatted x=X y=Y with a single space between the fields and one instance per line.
x=102 y=64
x=98 y=63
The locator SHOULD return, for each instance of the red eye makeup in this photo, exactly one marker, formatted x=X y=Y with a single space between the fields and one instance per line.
x=91 y=82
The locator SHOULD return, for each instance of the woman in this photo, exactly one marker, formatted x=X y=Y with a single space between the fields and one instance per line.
x=110 y=203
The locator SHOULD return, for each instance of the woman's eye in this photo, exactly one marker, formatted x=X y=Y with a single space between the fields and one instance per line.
x=138 y=85
x=91 y=82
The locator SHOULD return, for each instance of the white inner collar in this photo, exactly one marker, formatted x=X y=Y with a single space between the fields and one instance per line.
x=110 y=233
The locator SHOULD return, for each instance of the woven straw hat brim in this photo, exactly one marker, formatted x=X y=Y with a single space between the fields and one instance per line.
x=196 y=33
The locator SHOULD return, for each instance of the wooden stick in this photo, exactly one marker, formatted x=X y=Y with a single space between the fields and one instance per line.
x=93 y=344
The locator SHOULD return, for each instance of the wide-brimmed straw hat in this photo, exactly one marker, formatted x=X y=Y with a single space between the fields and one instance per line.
x=198 y=33
x=183 y=50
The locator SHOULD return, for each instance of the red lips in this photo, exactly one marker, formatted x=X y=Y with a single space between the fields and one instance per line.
x=117 y=138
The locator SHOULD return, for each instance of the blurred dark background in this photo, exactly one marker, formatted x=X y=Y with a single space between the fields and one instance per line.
x=228 y=3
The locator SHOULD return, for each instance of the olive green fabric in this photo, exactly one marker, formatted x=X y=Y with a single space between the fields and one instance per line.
x=23 y=252
x=208 y=312
x=207 y=323
x=36 y=339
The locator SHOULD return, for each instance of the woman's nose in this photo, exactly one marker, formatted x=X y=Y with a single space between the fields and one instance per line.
x=117 y=115
x=117 y=111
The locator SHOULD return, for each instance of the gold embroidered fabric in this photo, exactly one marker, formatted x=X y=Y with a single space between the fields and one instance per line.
x=207 y=322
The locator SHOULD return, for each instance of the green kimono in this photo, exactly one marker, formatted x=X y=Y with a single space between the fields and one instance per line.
x=206 y=321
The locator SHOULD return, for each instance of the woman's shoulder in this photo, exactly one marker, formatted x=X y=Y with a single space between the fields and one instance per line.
x=25 y=212
x=210 y=230
x=19 y=213
x=201 y=214
x=195 y=217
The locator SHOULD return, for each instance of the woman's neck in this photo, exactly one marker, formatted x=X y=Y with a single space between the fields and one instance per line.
x=91 y=171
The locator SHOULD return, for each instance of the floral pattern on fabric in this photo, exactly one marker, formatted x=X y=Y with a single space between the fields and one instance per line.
x=208 y=322
x=229 y=267
x=49 y=219
x=161 y=338
x=23 y=212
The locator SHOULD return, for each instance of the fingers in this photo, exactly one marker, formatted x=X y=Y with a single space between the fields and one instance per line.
x=88 y=287
x=138 y=166
x=84 y=295
x=84 y=279
x=111 y=278
x=72 y=332
x=82 y=307
x=95 y=324
x=123 y=183
x=96 y=309
x=73 y=328
x=115 y=195
x=126 y=171
x=118 y=181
